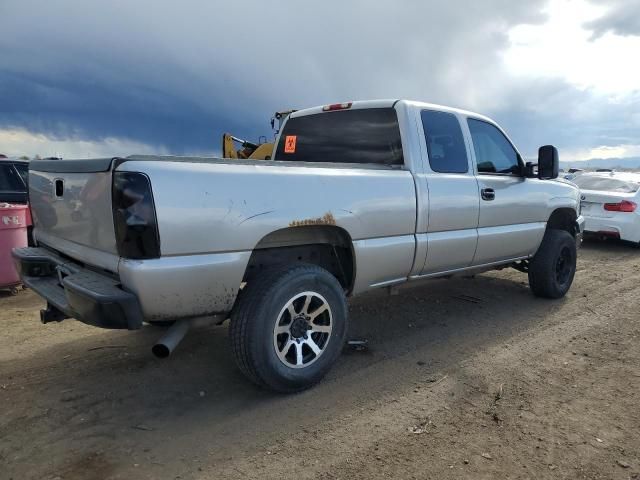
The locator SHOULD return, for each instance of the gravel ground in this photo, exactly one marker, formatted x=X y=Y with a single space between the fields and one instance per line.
x=462 y=378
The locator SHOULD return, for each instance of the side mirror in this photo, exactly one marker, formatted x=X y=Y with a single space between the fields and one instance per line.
x=530 y=170
x=548 y=162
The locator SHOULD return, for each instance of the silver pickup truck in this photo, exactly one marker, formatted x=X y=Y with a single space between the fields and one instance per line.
x=357 y=196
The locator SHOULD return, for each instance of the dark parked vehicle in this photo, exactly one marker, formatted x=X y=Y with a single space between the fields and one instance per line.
x=13 y=180
x=14 y=186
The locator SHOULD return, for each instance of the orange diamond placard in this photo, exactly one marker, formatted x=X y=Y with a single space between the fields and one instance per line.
x=290 y=144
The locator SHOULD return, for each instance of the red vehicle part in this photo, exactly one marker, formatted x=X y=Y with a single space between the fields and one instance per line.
x=13 y=234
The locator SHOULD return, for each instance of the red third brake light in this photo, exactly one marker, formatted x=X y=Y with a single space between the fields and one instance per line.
x=337 y=106
x=623 y=206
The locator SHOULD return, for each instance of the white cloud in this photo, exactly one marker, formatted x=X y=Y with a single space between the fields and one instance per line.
x=565 y=48
x=14 y=143
x=603 y=151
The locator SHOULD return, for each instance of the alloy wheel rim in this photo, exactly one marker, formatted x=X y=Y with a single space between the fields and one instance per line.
x=302 y=330
x=563 y=266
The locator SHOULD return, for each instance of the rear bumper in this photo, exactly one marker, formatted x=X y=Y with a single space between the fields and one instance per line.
x=625 y=226
x=77 y=292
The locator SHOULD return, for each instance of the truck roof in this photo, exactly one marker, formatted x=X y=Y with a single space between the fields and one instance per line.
x=388 y=103
x=13 y=160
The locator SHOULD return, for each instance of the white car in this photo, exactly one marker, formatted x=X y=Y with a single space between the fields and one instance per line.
x=609 y=203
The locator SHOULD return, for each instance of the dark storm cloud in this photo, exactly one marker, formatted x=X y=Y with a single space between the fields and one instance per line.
x=622 y=18
x=552 y=111
x=178 y=74
x=72 y=107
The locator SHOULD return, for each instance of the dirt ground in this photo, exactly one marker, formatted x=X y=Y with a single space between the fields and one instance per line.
x=463 y=378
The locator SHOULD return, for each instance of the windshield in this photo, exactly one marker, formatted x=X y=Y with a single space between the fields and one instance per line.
x=605 y=184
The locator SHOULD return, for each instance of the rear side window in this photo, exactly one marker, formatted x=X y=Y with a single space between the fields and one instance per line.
x=445 y=144
x=369 y=135
x=494 y=153
x=10 y=180
x=605 y=184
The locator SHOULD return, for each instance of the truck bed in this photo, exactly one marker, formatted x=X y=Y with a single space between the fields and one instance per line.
x=212 y=213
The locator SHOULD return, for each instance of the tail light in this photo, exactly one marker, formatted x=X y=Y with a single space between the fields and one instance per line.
x=134 y=216
x=623 y=206
x=337 y=106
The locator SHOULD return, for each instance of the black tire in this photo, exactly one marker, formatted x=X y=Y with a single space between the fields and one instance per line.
x=261 y=308
x=553 y=267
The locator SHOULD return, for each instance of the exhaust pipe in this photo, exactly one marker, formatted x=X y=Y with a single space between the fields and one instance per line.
x=52 y=314
x=170 y=340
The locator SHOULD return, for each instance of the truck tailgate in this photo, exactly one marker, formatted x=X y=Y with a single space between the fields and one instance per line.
x=71 y=203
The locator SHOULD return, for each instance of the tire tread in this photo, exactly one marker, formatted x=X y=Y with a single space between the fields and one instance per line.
x=540 y=267
x=248 y=305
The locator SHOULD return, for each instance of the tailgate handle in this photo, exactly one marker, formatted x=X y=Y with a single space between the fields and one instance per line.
x=488 y=194
x=59 y=184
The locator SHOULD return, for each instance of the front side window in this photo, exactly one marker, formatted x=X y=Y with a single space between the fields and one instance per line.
x=494 y=153
x=445 y=143
x=370 y=135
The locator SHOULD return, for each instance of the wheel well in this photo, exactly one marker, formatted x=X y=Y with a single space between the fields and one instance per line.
x=328 y=247
x=563 y=219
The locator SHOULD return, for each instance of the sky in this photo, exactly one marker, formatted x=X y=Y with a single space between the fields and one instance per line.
x=84 y=78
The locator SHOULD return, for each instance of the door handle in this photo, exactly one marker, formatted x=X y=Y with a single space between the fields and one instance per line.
x=488 y=194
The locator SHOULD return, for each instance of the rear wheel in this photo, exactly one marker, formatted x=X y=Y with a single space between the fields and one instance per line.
x=289 y=327
x=553 y=267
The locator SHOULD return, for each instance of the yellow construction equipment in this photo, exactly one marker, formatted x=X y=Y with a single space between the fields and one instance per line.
x=259 y=151
x=249 y=150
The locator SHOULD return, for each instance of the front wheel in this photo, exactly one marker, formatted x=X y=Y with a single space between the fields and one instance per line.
x=553 y=267
x=289 y=327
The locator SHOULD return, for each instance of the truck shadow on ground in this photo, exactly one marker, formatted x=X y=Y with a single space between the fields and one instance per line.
x=107 y=392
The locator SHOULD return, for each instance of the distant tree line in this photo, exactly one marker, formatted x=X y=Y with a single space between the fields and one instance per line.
x=23 y=157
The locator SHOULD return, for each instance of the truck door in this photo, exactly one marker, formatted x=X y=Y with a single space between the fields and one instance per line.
x=510 y=223
x=453 y=194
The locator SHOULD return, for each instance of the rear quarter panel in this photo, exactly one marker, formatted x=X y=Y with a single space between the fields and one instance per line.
x=222 y=207
x=225 y=208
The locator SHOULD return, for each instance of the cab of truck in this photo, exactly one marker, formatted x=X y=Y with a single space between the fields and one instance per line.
x=479 y=203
